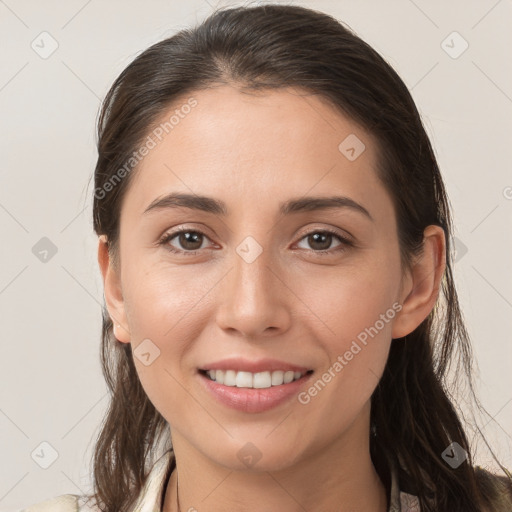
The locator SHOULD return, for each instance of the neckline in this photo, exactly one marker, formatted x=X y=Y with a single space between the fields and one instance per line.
x=387 y=472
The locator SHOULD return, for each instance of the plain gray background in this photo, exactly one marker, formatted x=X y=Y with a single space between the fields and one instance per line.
x=52 y=390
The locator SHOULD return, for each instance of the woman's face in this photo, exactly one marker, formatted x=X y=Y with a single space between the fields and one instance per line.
x=251 y=282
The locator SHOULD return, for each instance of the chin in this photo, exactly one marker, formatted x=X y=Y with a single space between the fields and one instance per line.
x=256 y=458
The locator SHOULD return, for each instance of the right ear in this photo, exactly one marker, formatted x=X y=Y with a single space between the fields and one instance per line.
x=113 y=293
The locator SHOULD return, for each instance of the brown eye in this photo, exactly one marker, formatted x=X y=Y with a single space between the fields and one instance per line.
x=189 y=241
x=320 y=241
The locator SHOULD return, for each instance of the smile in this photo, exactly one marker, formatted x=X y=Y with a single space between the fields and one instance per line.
x=259 y=380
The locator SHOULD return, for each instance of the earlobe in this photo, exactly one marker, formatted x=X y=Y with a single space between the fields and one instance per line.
x=112 y=290
x=422 y=290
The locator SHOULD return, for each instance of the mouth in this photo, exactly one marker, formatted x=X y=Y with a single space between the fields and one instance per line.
x=257 y=380
x=250 y=392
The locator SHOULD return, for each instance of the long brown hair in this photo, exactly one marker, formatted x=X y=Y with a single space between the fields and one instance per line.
x=413 y=418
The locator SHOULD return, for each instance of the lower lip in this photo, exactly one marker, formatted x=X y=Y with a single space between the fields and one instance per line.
x=253 y=400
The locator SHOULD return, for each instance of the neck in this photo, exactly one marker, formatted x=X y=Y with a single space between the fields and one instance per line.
x=340 y=476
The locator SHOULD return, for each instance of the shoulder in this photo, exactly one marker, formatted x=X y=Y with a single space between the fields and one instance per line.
x=496 y=488
x=63 y=503
x=408 y=503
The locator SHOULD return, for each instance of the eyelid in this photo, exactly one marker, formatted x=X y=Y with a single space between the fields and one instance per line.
x=344 y=242
x=177 y=230
x=342 y=233
x=336 y=232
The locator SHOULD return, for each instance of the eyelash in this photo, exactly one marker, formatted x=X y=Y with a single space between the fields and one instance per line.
x=343 y=245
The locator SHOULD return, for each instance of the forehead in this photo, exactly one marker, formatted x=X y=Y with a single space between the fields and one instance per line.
x=256 y=145
x=234 y=121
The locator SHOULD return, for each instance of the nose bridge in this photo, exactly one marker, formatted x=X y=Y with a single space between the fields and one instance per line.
x=252 y=277
x=252 y=265
x=253 y=294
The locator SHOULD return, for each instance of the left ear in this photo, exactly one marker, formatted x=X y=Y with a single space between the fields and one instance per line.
x=421 y=289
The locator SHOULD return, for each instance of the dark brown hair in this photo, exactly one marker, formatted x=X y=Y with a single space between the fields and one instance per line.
x=413 y=417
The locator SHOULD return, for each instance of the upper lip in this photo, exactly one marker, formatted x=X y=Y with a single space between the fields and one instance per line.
x=261 y=365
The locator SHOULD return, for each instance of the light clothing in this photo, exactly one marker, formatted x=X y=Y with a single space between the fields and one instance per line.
x=151 y=496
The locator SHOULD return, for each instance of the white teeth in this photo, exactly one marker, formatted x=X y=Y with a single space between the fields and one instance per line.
x=262 y=380
x=277 y=378
x=253 y=380
x=229 y=377
x=288 y=376
x=243 y=380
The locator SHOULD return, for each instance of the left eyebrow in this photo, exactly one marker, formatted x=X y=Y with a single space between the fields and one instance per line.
x=218 y=207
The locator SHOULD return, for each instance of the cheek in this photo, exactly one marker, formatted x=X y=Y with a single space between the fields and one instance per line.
x=166 y=305
x=160 y=308
x=357 y=310
x=160 y=302
x=354 y=300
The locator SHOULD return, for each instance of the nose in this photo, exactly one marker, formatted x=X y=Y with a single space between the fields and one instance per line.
x=254 y=299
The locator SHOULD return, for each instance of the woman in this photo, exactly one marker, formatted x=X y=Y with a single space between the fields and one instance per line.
x=250 y=368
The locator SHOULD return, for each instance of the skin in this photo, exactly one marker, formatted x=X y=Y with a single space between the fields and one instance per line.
x=253 y=151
